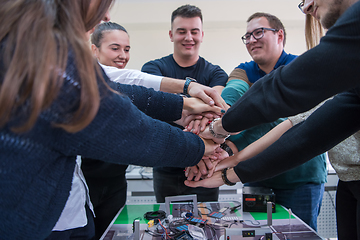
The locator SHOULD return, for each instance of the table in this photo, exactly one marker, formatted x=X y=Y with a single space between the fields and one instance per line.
x=215 y=219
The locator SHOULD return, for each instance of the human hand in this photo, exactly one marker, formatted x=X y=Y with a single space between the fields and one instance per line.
x=197 y=125
x=207 y=166
x=207 y=94
x=197 y=106
x=214 y=181
x=207 y=135
x=210 y=147
x=187 y=120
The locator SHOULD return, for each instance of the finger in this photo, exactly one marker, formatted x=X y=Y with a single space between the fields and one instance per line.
x=198 y=176
x=206 y=99
x=187 y=170
x=203 y=124
x=193 y=184
x=219 y=101
x=190 y=126
x=208 y=164
x=202 y=167
x=196 y=126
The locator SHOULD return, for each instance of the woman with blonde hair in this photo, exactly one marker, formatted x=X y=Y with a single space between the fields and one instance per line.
x=55 y=104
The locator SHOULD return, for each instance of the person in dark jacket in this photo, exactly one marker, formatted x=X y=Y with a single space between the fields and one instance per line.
x=327 y=69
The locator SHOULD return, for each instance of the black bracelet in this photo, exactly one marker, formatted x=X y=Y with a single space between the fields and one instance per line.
x=186 y=85
x=226 y=148
x=225 y=179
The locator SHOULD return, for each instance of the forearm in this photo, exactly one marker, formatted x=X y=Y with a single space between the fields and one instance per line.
x=172 y=85
x=311 y=78
x=264 y=142
x=218 y=89
x=326 y=127
x=159 y=105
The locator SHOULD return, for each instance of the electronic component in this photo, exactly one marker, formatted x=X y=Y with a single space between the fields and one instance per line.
x=183 y=227
x=196 y=220
x=249 y=233
x=268 y=236
x=216 y=215
x=255 y=199
x=183 y=236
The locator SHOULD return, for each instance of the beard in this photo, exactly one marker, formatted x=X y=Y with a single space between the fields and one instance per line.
x=332 y=15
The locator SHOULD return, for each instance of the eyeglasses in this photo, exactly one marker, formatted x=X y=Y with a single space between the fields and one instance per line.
x=301 y=6
x=257 y=34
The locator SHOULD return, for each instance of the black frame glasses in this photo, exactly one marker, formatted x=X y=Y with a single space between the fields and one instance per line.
x=258 y=35
x=301 y=6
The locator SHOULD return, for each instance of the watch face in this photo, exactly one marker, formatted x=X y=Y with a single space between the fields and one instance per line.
x=191 y=79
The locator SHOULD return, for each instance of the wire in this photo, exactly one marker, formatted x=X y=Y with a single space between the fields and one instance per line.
x=155 y=215
x=165 y=231
x=257 y=223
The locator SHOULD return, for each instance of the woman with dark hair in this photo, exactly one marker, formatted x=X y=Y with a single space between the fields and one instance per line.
x=55 y=104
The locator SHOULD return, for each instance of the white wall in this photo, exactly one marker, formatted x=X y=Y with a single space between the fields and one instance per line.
x=148 y=23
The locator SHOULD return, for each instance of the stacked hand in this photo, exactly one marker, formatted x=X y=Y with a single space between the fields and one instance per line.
x=197 y=116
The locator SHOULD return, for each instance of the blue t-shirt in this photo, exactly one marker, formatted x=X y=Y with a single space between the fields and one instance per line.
x=313 y=171
x=253 y=71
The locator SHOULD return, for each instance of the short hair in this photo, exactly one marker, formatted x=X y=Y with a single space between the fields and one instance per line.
x=98 y=34
x=186 y=11
x=274 y=21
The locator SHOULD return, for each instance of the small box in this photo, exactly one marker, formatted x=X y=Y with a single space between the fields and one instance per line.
x=255 y=199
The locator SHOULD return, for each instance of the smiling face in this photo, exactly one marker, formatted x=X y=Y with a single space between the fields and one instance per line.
x=187 y=35
x=267 y=49
x=326 y=11
x=114 y=49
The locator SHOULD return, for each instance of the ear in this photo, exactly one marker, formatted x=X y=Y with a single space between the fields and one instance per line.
x=94 y=50
x=281 y=36
x=171 y=35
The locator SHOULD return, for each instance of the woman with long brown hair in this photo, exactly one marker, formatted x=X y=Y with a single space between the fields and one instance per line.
x=55 y=104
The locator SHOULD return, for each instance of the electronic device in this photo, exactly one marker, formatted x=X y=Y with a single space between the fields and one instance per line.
x=183 y=236
x=249 y=234
x=255 y=199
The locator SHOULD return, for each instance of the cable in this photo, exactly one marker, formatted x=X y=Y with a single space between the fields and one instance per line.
x=155 y=215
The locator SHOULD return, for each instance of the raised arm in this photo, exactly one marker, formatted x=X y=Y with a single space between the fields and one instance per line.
x=306 y=81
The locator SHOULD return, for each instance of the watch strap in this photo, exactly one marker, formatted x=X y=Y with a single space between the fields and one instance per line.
x=186 y=85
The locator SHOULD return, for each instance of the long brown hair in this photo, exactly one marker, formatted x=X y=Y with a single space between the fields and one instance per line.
x=38 y=35
x=313 y=31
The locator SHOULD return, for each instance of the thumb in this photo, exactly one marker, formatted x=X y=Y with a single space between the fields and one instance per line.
x=192 y=184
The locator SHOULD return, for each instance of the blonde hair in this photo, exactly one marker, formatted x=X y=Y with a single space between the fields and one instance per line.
x=36 y=36
x=313 y=31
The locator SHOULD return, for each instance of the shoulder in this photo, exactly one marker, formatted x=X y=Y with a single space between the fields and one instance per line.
x=210 y=68
x=159 y=66
x=289 y=57
x=160 y=61
x=246 y=66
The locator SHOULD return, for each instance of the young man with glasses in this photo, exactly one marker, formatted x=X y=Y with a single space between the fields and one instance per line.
x=330 y=68
x=299 y=189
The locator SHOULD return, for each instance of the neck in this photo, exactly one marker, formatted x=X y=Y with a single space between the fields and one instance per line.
x=186 y=61
x=267 y=67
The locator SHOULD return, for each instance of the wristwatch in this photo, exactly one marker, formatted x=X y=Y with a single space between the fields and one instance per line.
x=187 y=83
x=225 y=179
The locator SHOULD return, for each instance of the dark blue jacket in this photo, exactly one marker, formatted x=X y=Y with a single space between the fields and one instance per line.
x=36 y=167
